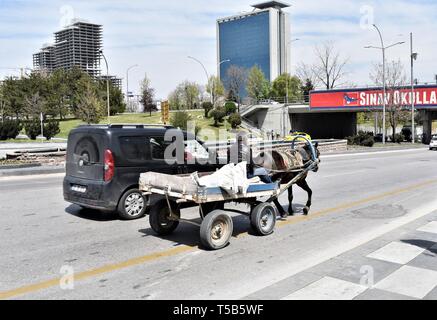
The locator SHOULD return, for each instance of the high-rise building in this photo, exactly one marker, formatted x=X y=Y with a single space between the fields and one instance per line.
x=45 y=58
x=116 y=82
x=260 y=38
x=79 y=45
x=76 y=45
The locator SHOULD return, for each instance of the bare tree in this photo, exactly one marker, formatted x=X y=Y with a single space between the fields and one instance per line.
x=395 y=79
x=236 y=80
x=306 y=73
x=330 y=66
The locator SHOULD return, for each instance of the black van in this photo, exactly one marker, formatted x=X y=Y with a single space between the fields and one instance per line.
x=104 y=164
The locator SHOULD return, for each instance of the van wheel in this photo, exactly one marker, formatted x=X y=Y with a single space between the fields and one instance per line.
x=132 y=205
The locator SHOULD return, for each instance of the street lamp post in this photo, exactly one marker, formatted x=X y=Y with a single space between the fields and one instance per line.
x=213 y=82
x=107 y=87
x=383 y=48
x=204 y=69
x=284 y=111
x=127 y=82
x=413 y=57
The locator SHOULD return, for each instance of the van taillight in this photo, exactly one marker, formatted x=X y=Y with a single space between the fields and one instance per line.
x=109 y=165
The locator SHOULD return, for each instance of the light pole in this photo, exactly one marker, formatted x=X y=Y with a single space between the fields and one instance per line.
x=413 y=57
x=383 y=77
x=213 y=82
x=127 y=82
x=107 y=86
x=204 y=69
x=284 y=111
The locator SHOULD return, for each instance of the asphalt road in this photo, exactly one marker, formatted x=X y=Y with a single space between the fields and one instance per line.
x=361 y=235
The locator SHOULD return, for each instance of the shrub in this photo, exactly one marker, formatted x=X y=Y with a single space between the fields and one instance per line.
x=33 y=129
x=218 y=114
x=9 y=129
x=207 y=106
x=365 y=139
x=235 y=120
x=180 y=119
x=51 y=129
x=398 y=138
x=230 y=108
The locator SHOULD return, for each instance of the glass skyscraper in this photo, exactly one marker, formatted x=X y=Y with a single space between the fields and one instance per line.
x=257 y=38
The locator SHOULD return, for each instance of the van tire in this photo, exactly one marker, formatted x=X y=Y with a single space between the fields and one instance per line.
x=132 y=205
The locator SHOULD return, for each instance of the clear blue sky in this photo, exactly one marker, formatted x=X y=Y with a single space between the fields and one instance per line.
x=159 y=35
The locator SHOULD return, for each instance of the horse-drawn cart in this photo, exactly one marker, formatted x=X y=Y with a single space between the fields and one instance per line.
x=216 y=228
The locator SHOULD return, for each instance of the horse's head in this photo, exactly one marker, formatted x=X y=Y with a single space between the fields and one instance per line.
x=306 y=153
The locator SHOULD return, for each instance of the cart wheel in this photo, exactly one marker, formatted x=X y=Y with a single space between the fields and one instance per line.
x=159 y=218
x=216 y=230
x=263 y=219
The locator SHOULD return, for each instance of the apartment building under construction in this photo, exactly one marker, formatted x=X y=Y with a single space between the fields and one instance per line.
x=76 y=45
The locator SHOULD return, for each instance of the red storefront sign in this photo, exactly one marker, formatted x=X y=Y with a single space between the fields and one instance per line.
x=424 y=97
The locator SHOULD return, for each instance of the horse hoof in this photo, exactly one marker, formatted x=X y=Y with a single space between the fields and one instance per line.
x=306 y=210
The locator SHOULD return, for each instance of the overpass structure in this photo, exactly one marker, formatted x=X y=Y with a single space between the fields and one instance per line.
x=333 y=113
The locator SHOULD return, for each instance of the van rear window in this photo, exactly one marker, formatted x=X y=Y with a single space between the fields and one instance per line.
x=135 y=148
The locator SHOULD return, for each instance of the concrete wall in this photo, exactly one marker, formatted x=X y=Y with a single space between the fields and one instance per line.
x=428 y=117
x=336 y=125
x=271 y=118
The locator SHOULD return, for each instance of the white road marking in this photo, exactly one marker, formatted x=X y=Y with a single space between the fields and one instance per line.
x=397 y=252
x=410 y=281
x=328 y=289
x=316 y=258
x=430 y=227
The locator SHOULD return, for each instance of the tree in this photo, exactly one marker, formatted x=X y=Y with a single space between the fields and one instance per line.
x=180 y=119
x=258 y=87
x=90 y=108
x=305 y=72
x=215 y=88
x=329 y=68
x=190 y=94
x=236 y=81
x=13 y=98
x=185 y=96
x=207 y=106
x=395 y=78
x=147 y=96
x=306 y=89
x=234 y=120
x=279 y=87
x=58 y=99
x=116 y=97
x=218 y=114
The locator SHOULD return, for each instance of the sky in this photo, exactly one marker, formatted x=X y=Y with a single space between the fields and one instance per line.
x=160 y=35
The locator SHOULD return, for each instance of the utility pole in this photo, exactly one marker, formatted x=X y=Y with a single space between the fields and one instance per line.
x=384 y=103
x=413 y=57
x=107 y=87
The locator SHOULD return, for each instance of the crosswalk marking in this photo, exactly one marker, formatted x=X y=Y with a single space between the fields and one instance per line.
x=328 y=289
x=430 y=227
x=410 y=281
x=397 y=252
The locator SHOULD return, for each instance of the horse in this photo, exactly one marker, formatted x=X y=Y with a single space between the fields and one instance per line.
x=284 y=173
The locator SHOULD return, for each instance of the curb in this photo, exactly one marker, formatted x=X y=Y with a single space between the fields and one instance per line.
x=31 y=171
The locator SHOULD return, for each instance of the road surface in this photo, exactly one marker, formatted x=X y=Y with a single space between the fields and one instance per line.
x=371 y=234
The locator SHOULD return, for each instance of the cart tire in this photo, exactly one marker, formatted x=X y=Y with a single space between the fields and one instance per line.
x=158 y=218
x=263 y=219
x=216 y=230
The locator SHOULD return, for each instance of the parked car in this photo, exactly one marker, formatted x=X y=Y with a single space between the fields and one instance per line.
x=104 y=164
x=433 y=144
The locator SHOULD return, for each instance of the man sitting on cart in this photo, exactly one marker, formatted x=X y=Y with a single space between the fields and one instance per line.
x=241 y=151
